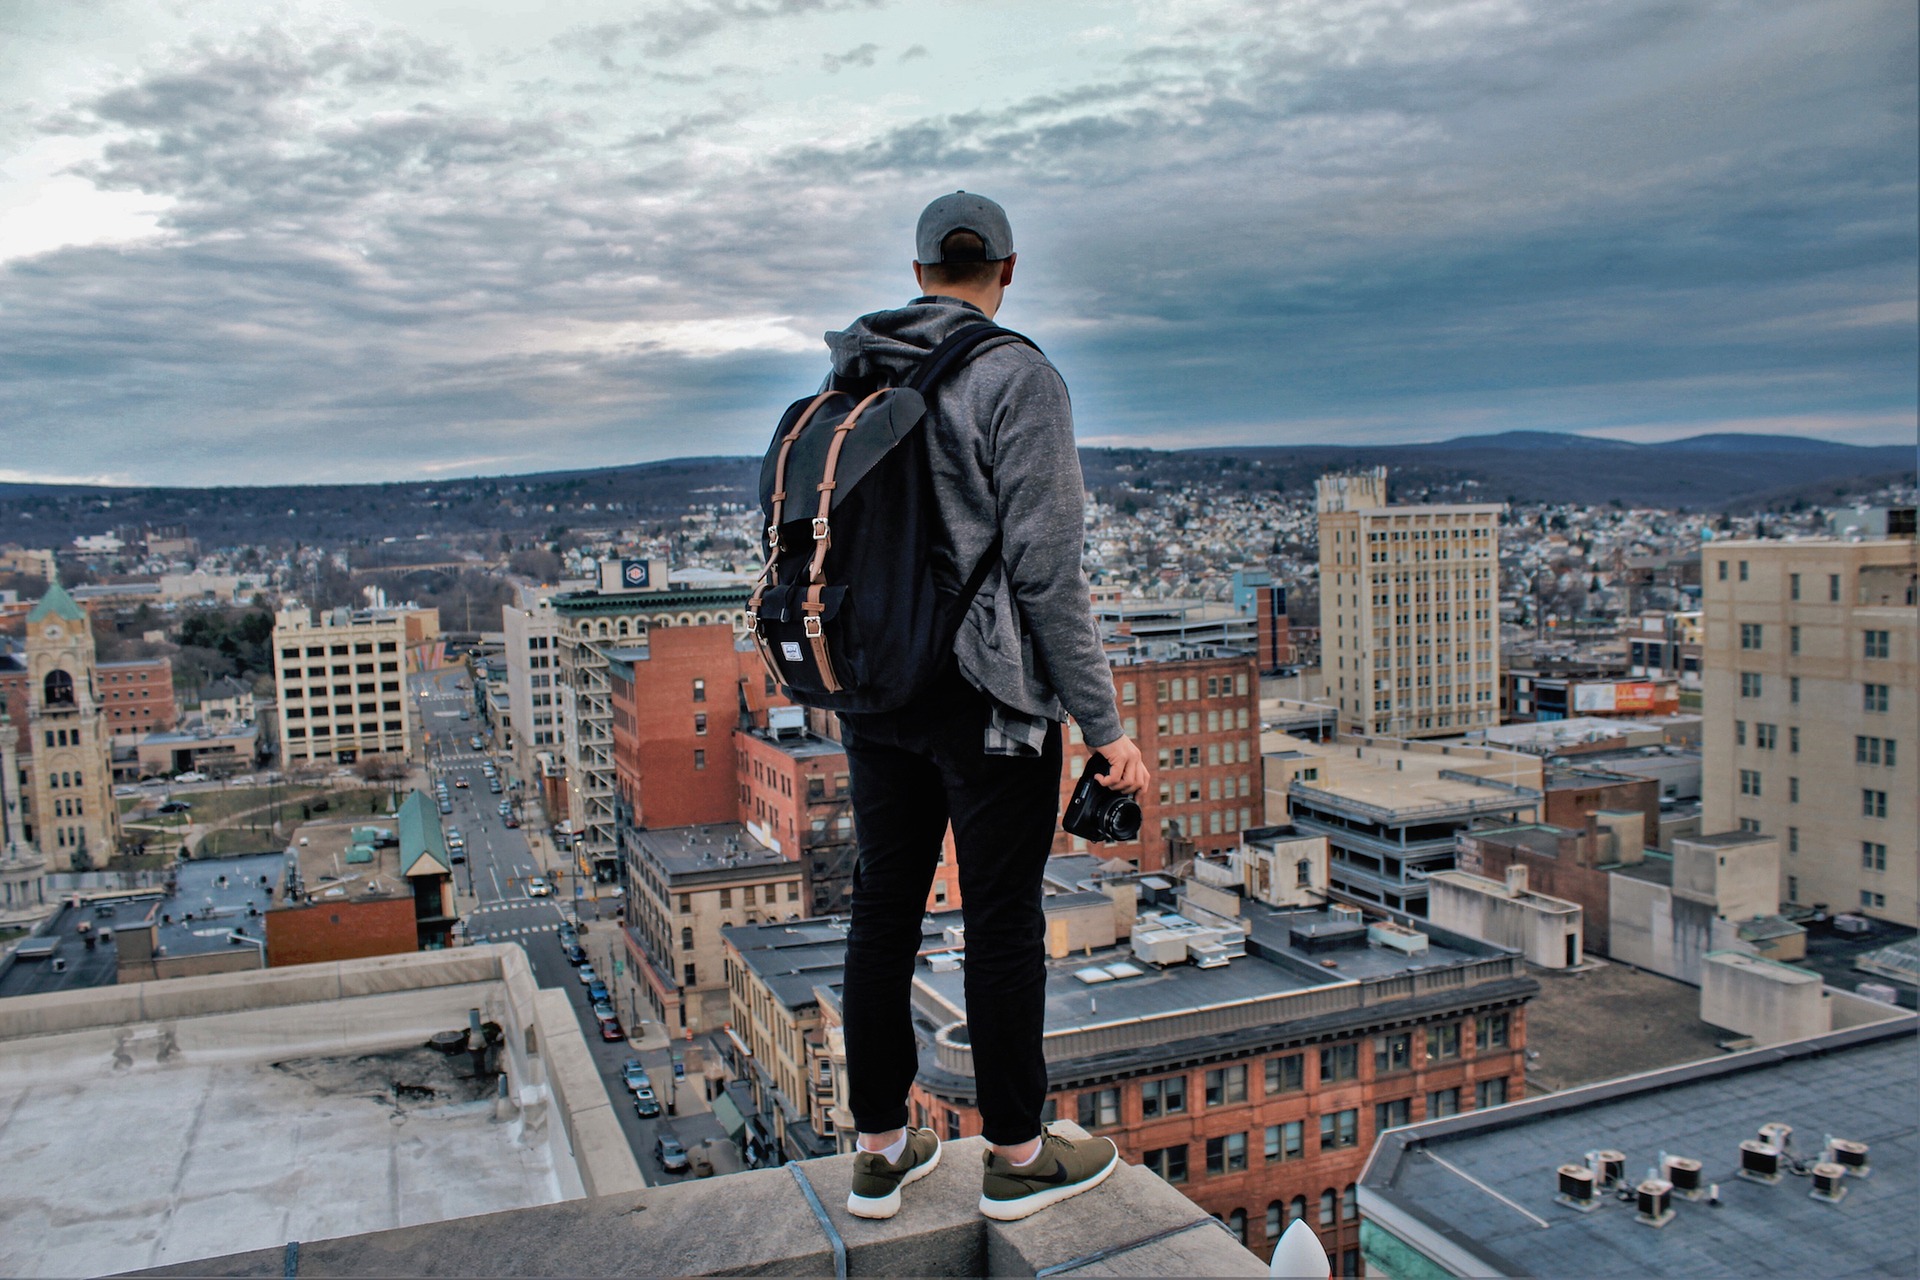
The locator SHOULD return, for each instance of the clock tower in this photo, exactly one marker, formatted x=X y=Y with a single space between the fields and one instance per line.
x=72 y=814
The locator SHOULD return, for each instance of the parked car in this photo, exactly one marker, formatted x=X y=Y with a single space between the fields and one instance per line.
x=597 y=991
x=635 y=1074
x=603 y=1009
x=505 y=809
x=446 y=806
x=587 y=976
x=176 y=806
x=576 y=954
x=610 y=1030
x=510 y=822
x=192 y=775
x=646 y=1104
x=465 y=714
x=493 y=785
x=671 y=1155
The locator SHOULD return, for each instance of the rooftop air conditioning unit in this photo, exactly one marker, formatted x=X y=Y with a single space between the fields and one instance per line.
x=1852 y=1156
x=1760 y=1162
x=1654 y=1198
x=954 y=935
x=1576 y=1183
x=1349 y=915
x=1684 y=1173
x=1609 y=1166
x=1851 y=924
x=1829 y=1182
x=943 y=962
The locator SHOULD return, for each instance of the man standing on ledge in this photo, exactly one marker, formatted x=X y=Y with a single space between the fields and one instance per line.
x=981 y=747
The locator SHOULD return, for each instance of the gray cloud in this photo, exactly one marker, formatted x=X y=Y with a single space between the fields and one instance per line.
x=914 y=51
x=673 y=30
x=862 y=55
x=1588 y=217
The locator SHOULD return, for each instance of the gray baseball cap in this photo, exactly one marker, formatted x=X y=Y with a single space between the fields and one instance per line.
x=962 y=211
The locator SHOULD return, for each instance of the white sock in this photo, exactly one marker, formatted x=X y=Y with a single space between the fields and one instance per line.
x=894 y=1152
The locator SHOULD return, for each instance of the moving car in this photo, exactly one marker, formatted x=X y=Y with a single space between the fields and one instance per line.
x=465 y=714
x=646 y=1104
x=671 y=1155
x=587 y=976
x=461 y=784
x=538 y=888
x=475 y=742
x=610 y=1030
x=635 y=1075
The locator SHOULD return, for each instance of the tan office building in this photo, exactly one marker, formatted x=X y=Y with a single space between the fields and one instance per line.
x=1409 y=610
x=1809 y=677
x=341 y=685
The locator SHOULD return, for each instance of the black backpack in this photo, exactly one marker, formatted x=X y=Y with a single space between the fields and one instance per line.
x=846 y=613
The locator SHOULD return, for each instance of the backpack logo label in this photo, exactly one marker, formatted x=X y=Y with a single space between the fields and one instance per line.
x=790 y=649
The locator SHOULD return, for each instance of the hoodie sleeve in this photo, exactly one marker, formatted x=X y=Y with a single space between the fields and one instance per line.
x=1041 y=498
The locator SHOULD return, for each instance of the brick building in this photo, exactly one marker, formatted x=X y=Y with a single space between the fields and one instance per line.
x=401 y=898
x=137 y=696
x=1251 y=1054
x=1574 y=863
x=1196 y=719
x=1574 y=793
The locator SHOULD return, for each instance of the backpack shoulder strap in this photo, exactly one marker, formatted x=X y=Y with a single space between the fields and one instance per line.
x=956 y=350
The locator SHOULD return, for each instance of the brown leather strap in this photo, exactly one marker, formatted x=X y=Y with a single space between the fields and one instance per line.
x=780 y=469
x=822 y=536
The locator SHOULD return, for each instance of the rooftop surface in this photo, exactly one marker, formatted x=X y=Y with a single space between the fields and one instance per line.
x=1490 y=1208
x=1603 y=1021
x=1379 y=774
x=792 y=959
x=801 y=746
x=719 y=846
x=169 y=1121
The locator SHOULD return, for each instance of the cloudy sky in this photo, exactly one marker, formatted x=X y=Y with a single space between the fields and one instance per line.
x=246 y=242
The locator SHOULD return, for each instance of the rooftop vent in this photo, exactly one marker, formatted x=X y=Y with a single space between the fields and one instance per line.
x=1397 y=937
x=1576 y=1183
x=1093 y=975
x=943 y=962
x=1654 y=1198
x=954 y=935
x=1760 y=1162
x=1829 y=1182
x=1850 y=1155
x=1351 y=915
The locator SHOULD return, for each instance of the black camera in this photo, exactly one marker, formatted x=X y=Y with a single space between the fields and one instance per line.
x=1096 y=813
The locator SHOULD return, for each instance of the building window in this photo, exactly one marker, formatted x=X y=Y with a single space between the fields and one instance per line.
x=1392 y=1053
x=1169 y=1162
x=1765 y=736
x=1099 y=1108
x=1874 y=750
x=1226 y=1085
x=1749 y=635
x=1793 y=739
x=1868 y=898
x=1163 y=1097
x=1833 y=588
x=1489 y=1093
x=1749 y=782
x=1873 y=697
x=1329 y=1207
x=726 y=899
x=1750 y=684
x=1276 y=1219
x=690 y=978
x=1490 y=1031
x=686 y=904
x=1877 y=643
x=699 y=690
x=1443 y=1041
x=1391 y=1115
x=700 y=722
x=1339 y=1129
x=1743 y=571
x=1286 y=1075
x=1873 y=855
x=1339 y=1062
x=1286 y=1141
x=1793 y=688
x=699 y=759
x=953 y=1126
x=1227 y=1153
x=1443 y=1102
x=1793 y=586
x=1873 y=804
x=1793 y=639
x=1721 y=565
x=1793 y=791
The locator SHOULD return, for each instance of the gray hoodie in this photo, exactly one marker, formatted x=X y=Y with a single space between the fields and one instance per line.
x=1000 y=433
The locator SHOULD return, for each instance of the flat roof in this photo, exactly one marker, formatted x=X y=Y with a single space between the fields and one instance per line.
x=805 y=745
x=1477 y=1190
x=704 y=850
x=792 y=959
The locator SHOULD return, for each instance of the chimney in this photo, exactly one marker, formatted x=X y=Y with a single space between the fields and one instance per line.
x=1516 y=880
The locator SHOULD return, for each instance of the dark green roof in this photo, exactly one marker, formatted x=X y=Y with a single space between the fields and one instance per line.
x=423 y=847
x=729 y=597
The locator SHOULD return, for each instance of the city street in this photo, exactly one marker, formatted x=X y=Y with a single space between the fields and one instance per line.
x=492 y=889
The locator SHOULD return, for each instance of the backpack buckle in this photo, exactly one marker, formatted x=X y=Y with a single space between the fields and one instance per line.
x=819 y=528
x=773 y=537
x=811 y=625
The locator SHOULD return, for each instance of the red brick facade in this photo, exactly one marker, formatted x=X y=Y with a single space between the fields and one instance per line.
x=137 y=696
x=1198 y=724
x=1246 y=1095
x=325 y=931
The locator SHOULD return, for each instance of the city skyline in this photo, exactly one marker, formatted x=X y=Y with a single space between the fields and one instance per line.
x=355 y=244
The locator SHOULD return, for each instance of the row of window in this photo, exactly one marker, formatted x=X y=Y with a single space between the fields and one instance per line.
x=1177 y=690
x=1189 y=722
x=1873 y=801
x=1873 y=643
x=1873 y=696
x=369 y=727
x=340 y=650
x=1230 y=1153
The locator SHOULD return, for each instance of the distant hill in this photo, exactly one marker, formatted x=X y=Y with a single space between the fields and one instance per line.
x=1711 y=472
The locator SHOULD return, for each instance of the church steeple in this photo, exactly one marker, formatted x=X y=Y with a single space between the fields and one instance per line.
x=56 y=604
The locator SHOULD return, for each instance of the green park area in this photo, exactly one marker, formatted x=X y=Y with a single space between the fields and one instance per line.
x=230 y=822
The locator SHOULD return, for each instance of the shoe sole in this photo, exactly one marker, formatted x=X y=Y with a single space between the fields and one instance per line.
x=886 y=1206
x=1028 y=1205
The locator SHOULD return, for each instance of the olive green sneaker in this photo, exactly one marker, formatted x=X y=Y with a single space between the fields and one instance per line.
x=876 y=1183
x=1061 y=1169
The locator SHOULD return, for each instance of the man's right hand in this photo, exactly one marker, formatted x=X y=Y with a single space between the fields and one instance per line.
x=1126 y=767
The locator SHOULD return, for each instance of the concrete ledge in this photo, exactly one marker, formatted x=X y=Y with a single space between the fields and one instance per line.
x=759 y=1223
x=599 y=1145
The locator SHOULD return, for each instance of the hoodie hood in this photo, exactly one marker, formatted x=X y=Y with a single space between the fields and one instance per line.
x=885 y=346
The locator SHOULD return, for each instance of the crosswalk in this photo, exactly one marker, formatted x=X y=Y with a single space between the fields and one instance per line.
x=497 y=934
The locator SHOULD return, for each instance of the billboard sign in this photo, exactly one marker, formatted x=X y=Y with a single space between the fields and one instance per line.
x=634 y=575
x=1635 y=697
x=1627 y=696
x=1592 y=697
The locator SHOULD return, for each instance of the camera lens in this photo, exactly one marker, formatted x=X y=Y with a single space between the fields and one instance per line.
x=1121 y=819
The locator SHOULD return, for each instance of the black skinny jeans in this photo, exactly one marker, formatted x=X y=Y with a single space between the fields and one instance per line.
x=912 y=771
